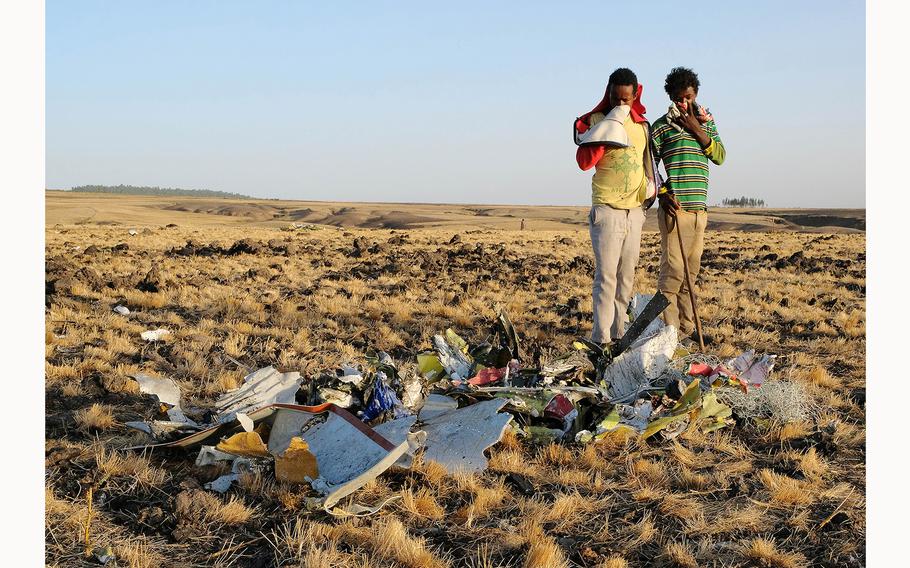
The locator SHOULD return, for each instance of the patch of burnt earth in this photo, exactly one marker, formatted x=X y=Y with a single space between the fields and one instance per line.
x=63 y=282
x=246 y=246
x=152 y=282
x=361 y=248
x=192 y=248
x=243 y=246
x=125 y=281
x=853 y=287
x=799 y=261
x=60 y=409
x=822 y=439
x=825 y=221
x=287 y=248
x=136 y=507
x=399 y=239
x=148 y=512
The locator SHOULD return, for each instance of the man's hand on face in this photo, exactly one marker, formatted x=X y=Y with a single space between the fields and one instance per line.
x=689 y=121
x=669 y=203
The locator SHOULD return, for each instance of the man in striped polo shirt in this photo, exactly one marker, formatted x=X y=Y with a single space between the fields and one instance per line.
x=684 y=139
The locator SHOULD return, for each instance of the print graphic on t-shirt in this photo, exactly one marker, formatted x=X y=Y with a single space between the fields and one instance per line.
x=625 y=165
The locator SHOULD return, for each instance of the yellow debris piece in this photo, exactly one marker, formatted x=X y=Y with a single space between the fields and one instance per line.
x=246 y=444
x=296 y=463
x=428 y=365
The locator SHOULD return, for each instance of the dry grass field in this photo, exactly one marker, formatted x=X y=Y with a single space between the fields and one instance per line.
x=762 y=493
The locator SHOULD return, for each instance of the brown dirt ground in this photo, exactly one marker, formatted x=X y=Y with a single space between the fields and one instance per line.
x=133 y=210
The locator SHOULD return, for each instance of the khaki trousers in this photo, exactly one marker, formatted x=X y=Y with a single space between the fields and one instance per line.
x=616 y=239
x=672 y=280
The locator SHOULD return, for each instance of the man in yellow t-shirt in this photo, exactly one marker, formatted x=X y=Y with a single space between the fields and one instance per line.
x=623 y=181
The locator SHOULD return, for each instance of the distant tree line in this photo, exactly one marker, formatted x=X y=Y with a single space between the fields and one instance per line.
x=147 y=190
x=743 y=202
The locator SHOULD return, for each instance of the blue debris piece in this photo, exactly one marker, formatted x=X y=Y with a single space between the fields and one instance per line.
x=383 y=399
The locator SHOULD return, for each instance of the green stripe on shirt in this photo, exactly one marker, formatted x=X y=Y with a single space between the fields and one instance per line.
x=686 y=162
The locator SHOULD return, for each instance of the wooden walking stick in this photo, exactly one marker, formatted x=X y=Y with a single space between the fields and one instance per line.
x=682 y=251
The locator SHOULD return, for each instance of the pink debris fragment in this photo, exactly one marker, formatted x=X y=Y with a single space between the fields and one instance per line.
x=700 y=370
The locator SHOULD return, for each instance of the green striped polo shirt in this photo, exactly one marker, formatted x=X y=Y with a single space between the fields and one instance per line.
x=686 y=162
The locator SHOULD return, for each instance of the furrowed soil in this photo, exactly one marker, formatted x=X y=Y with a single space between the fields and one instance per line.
x=761 y=493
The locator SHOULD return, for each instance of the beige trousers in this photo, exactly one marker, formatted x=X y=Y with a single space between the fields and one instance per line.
x=672 y=280
x=616 y=239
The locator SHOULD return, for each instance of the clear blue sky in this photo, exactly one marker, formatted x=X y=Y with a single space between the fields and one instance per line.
x=458 y=102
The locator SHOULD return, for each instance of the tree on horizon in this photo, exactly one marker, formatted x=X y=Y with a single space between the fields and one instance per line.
x=155 y=190
x=743 y=202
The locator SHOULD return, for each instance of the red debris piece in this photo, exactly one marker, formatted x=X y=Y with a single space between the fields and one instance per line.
x=487 y=376
x=559 y=407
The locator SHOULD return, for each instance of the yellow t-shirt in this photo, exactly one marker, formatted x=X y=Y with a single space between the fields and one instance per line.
x=619 y=179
